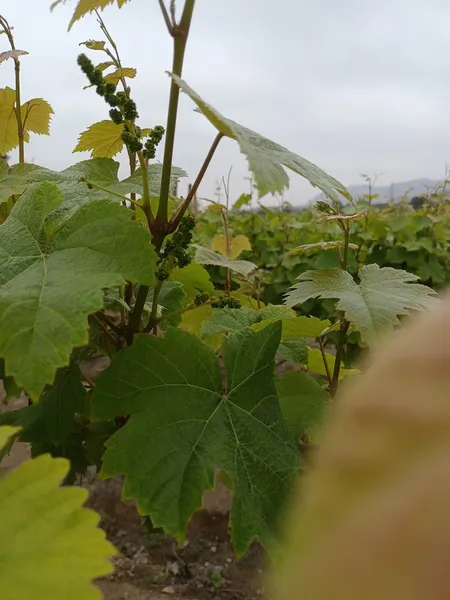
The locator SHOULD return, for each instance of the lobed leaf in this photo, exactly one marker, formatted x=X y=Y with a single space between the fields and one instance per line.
x=186 y=421
x=86 y=6
x=119 y=74
x=320 y=246
x=373 y=305
x=52 y=274
x=303 y=401
x=266 y=158
x=238 y=244
x=11 y=54
x=36 y=115
x=103 y=139
x=205 y=256
x=95 y=45
x=47 y=525
x=194 y=278
x=8 y=124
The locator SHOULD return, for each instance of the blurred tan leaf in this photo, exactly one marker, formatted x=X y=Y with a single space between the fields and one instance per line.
x=373 y=521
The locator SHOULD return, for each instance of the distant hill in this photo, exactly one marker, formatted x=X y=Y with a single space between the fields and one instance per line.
x=412 y=188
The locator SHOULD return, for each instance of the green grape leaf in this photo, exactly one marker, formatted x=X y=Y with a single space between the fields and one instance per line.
x=433 y=269
x=374 y=304
x=171 y=298
x=134 y=182
x=266 y=158
x=294 y=351
x=303 y=401
x=50 y=280
x=320 y=246
x=225 y=320
x=46 y=524
x=186 y=421
x=304 y=327
x=194 y=278
x=205 y=256
x=243 y=200
x=99 y=171
x=52 y=418
x=59 y=403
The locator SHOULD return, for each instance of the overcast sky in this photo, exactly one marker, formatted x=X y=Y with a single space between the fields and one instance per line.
x=352 y=85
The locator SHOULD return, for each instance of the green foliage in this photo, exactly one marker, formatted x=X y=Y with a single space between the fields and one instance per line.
x=303 y=401
x=44 y=524
x=53 y=276
x=266 y=158
x=186 y=421
x=372 y=306
x=194 y=333
x=205 y=256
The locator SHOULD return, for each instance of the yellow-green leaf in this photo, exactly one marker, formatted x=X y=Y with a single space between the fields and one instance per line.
x=304 y=326
x=146 y=131
x=8 y=124
x=316 y=364
x=237 y=245
x=87 y=6
x=104 y=65
x=36 y=115
x=94 y=45
x=6 y=434
x=117 y=75
x=53 y=547
x=103 y=139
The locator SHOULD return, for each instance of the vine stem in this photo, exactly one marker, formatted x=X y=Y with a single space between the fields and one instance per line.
x=159 y=229
x=106 y=332
x=146 y=206
x=194 y=188
x=154 y=312
x=325 y=363
x=180 y=35
x=228 y=250
x=102 y=317
x=18 y=112
x=103 y=189
x=344 y=324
